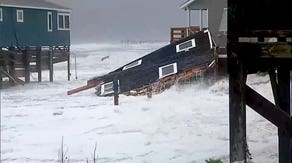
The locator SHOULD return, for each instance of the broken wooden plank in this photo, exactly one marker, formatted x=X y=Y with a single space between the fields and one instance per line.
x=83 y=88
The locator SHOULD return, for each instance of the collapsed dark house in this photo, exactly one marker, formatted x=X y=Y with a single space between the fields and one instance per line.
x=160 y=69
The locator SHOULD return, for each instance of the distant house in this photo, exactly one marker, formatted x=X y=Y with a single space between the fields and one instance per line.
x=34 y=34
x=213 y=15
x=33 y=23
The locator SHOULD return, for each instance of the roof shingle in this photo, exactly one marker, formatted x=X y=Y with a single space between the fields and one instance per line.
x=34 y=4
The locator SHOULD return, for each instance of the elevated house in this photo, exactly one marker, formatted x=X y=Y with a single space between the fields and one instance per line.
x=259 y=39
x=34 y=34
x=212 y=15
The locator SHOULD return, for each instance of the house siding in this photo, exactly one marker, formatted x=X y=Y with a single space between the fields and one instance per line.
x=33 y=31
x=215 y=12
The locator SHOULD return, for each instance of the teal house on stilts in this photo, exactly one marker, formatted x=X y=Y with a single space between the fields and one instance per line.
x=34 y=35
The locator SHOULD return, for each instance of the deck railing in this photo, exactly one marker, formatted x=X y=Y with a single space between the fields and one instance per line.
x=178 y=33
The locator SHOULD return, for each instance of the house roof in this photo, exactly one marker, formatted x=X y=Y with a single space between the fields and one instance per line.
x=33 y=4
x=186 y=4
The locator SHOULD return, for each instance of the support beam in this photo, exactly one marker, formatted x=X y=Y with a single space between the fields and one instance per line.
x=68 y=64
x=189 y=17
x=201 y=20
x=216 y=57
x=274 y=84
x=237 y=111
x=116 y=92
x=26 y=64
x=279 y=115
x=267 y=109
x=189 y=22
x=285 y=138
x=291 y=91
x=51 y=66
x=39 y=63
x=12 y=69
x=11 y=78
x=1 y=77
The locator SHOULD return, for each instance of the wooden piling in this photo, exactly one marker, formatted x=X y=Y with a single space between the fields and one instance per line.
x=39 y=63
x=284 y=137
x=26 y=64
x=1 y=79
x=116 y=92
x=12 y=69
x=68 y=63
x=116 y=99
x=1 y=76
x=51 y=66
x=216 y=69
x=237 y=111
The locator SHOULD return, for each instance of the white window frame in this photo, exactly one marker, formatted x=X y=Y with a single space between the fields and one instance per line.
x=17 y=17
x=63 y=19
x=210 y=38
x=164 y=75
x=102 y=91
x=139 y=62
x=186 y=49
x=1 y=13
x=50 y=28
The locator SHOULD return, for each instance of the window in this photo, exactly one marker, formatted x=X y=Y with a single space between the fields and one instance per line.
x=107 y=88
x=204 y=18
x=202 y=14
x=19 y=15
x=50 y=21
x=67 y=22
x=133 y=64
x=63 y=21
x=167 y=70
x=185 y=46
x=1 y=15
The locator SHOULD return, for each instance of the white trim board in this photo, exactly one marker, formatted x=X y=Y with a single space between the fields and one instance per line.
x=1 y=18
x=50 y=28
x=131 y=65
x=186 y=4
x=17 y=18
x=210 y=38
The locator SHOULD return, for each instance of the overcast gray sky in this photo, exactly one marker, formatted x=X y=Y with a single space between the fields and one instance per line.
x=116 y=20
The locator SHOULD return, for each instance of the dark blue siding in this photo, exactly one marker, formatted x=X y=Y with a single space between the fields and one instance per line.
x=33 y=31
